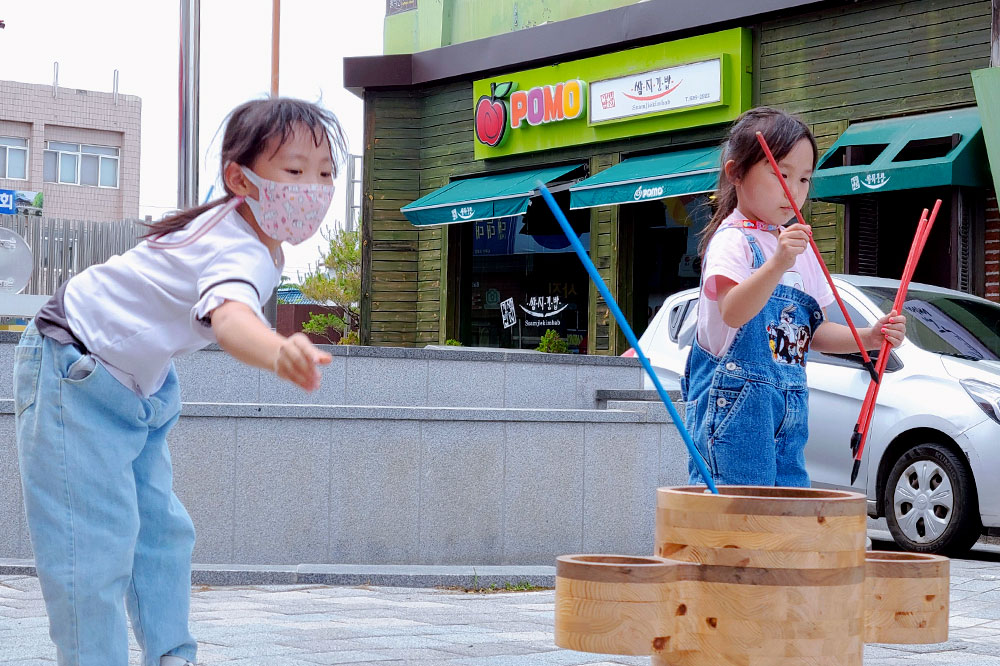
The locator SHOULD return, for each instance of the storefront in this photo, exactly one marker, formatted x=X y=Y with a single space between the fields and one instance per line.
x=886 y=171
x=457 y=245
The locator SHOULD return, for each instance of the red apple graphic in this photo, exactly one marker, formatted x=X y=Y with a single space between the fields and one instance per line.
x=491 y=115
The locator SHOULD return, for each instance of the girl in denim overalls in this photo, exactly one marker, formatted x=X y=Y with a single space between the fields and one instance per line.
x=96 y=394
x=761 y=309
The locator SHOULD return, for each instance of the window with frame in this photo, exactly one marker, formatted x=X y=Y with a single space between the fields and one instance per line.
x=80 y=164
x=13 y=158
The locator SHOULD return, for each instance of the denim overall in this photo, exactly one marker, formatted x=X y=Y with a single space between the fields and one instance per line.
x=747 y=411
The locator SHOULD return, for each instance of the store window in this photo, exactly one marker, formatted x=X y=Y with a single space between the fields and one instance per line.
x=13 y=158
x=663 y=236
x=80 y=164
x=526 y=279
x=879 y=228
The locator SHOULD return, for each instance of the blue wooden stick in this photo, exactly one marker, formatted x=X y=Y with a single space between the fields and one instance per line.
x=629 y=334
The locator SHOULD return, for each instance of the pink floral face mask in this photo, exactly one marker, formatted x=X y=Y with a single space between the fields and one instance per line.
x=288 y=211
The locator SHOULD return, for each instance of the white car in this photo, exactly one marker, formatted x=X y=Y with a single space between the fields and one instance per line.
x=931 y=463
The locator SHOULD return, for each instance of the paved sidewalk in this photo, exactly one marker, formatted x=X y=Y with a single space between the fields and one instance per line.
x=307 y=625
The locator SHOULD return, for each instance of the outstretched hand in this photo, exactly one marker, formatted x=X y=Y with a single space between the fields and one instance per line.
x=891 y=327
x=298 y=361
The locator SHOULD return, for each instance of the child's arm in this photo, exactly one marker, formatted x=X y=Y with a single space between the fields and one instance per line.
x=245 y=337
x=835 y=338
x=739 y=303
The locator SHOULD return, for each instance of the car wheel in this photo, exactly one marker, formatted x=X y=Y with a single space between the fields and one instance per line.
x=930 y=501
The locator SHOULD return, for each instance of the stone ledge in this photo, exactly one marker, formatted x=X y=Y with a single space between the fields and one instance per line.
x=633 y=395
x=347 y=574
x=441 y=354
x=362 y=412
x=359 y=412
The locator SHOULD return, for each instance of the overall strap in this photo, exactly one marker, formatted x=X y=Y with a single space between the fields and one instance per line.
x=758 y=254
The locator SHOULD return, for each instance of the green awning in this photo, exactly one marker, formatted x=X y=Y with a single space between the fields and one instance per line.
x=481 y=198
x=926 y=150
x=650 y=177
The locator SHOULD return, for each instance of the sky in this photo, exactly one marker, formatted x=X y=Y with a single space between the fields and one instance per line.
x=90 y=40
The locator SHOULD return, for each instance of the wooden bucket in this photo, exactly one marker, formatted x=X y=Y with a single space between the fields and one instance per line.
x=615 y=604
x=906 y=598
x=781 y=581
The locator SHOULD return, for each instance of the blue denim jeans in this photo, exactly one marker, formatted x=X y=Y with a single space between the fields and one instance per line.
x=106 y=528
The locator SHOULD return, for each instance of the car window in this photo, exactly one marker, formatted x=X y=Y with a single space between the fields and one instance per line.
x=689 y=325
x=853 y=360
x=947 y=324
x=834 y=314
x=676 y=317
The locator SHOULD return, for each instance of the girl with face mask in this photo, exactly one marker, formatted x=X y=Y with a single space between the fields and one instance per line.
x=96 y=392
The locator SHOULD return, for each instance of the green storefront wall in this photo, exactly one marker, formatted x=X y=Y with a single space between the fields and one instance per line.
x=833 y=66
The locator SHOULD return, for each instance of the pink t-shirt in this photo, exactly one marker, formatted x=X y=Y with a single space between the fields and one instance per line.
x=729 y=255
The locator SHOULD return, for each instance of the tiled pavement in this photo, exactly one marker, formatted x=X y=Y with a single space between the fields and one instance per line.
x=308 y=625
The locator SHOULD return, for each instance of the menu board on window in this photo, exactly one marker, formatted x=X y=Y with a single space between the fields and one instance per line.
x=399 y=6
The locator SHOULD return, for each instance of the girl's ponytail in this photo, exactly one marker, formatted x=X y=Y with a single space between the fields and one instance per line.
x=724 y=204
x=181 y=219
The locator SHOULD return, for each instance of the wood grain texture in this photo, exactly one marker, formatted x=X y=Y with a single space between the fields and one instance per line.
x=906 y=598
x=615 y=604
x=781 y=576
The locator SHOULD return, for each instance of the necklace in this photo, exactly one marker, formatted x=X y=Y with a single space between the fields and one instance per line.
x=755 y=224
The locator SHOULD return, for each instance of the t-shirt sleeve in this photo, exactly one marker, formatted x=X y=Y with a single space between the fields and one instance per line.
x=242 y=272
x=821 y=288
x=728 y=256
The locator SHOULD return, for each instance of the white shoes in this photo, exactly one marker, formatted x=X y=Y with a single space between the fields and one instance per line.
x=171 y=660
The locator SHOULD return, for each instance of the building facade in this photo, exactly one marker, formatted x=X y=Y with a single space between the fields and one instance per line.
x=457 y=245
x=77 y=149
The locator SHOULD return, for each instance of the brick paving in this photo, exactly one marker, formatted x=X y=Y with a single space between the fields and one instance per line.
x=305 y=625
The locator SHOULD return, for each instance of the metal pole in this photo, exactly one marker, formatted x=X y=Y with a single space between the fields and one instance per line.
x=187 y=97
x=275 y=39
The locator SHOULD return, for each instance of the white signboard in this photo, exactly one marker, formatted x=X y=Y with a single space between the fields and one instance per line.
x=653 y=92
x=508 y=313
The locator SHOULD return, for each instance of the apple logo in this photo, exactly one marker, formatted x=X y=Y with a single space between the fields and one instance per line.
x=491 y=114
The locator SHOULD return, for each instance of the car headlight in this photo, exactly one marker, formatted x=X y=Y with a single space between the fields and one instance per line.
x=987 y=396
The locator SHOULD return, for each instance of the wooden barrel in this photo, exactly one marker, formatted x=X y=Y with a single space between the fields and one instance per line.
x=906 y=598
x=615 y=604
x=781 y=576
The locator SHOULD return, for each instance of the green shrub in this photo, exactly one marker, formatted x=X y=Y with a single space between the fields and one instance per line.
x=551 y=343
x=351 y=338
x=452 y=342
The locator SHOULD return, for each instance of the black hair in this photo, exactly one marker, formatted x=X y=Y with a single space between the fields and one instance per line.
x=781 y=130
x=249 y=128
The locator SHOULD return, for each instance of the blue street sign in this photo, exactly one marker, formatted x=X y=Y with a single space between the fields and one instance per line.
x=8 y=204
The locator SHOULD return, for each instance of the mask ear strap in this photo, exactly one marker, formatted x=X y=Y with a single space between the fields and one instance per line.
x=227 y=208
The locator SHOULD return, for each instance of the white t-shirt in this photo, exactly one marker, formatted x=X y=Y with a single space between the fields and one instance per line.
x=138 y=310
x=729 y=255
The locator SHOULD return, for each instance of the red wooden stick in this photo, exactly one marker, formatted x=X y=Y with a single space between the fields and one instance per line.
x=919 y=240
x=819 y=257
x=867 y=405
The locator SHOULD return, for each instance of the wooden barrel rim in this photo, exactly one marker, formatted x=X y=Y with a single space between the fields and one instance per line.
x=764 y=501
x=767 y=576
x=606 y=568
x=885 y=564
